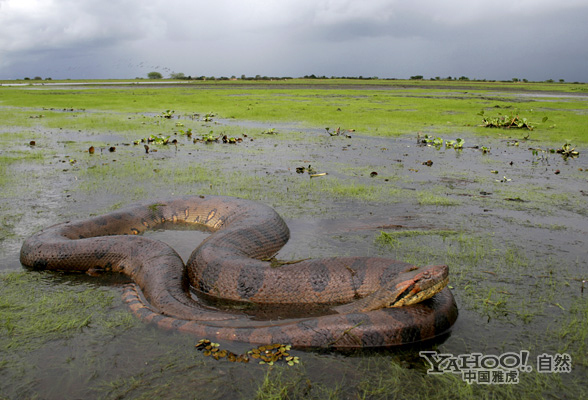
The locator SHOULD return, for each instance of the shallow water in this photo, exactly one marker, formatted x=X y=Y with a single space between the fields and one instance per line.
x=517 y=252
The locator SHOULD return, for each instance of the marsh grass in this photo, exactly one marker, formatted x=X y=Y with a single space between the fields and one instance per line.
x=427 y=198
x=19 y=162
x=386 y=377
x=485 y=274
x=140 y=176
x=277 y=385
x=392 y=239
x=386 y=173
x=337 y=188
x=6 y=226
x=31 y=314
x=198 y=377
x=572 y=332
x=373 y=111
x=21 y=156
x=14 y=118
x=105 y=122
x=540 y=199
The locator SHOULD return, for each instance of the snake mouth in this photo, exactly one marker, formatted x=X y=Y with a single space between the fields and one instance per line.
x=404 y=297
x=408 y=297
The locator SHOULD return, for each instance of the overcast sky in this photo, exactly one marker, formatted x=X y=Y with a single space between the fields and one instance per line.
x=483 y=39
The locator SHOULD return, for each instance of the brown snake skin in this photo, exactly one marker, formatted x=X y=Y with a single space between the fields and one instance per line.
x=229 y=264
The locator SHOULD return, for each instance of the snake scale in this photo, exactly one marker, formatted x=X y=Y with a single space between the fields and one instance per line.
x=232 y=264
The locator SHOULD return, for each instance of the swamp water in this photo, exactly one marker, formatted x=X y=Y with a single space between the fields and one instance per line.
x=511 y=223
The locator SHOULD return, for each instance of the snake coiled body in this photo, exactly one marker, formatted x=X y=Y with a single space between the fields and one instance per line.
x=232 y=264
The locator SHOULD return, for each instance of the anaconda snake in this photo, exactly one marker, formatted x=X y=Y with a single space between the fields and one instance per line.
x=230 y=264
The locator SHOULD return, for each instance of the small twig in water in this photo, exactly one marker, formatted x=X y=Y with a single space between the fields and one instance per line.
x=275 y=263
x=348 y=332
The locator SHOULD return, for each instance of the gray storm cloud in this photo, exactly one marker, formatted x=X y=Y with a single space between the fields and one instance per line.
x=491 y=39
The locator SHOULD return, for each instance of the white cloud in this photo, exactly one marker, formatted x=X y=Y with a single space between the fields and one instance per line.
x=31 y=25
x=339 y=12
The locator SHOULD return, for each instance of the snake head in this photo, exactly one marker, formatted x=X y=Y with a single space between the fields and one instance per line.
x=409 y=287
x=418 y=285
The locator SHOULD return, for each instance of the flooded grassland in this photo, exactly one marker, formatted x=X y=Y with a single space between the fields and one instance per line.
x=506 y=209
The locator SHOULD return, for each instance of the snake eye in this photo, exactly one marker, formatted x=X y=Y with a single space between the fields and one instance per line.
x=426 y=275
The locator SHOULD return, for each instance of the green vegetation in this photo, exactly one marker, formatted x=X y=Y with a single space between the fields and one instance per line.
x=426 y=198
x=386 y=377
x=375 y=107
x=574 y=332
x=32 y=317
x=513 y=120
x=486 y=275
x=568 y=151
x=393 y=238
x=264 y=354
x=154 y=75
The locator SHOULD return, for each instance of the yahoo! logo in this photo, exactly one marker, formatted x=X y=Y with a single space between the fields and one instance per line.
x=494 y=369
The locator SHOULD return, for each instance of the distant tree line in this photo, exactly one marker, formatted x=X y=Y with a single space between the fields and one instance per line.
x=154 y=75
x=182 y=76
x=465 y=78
x=313 y=76
x=36 y=78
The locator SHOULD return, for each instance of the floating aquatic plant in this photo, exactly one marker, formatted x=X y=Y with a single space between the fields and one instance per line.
x=168 y=114
x=457 y=144
x=512 y=120
x=268 y=354
x=567 y=150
